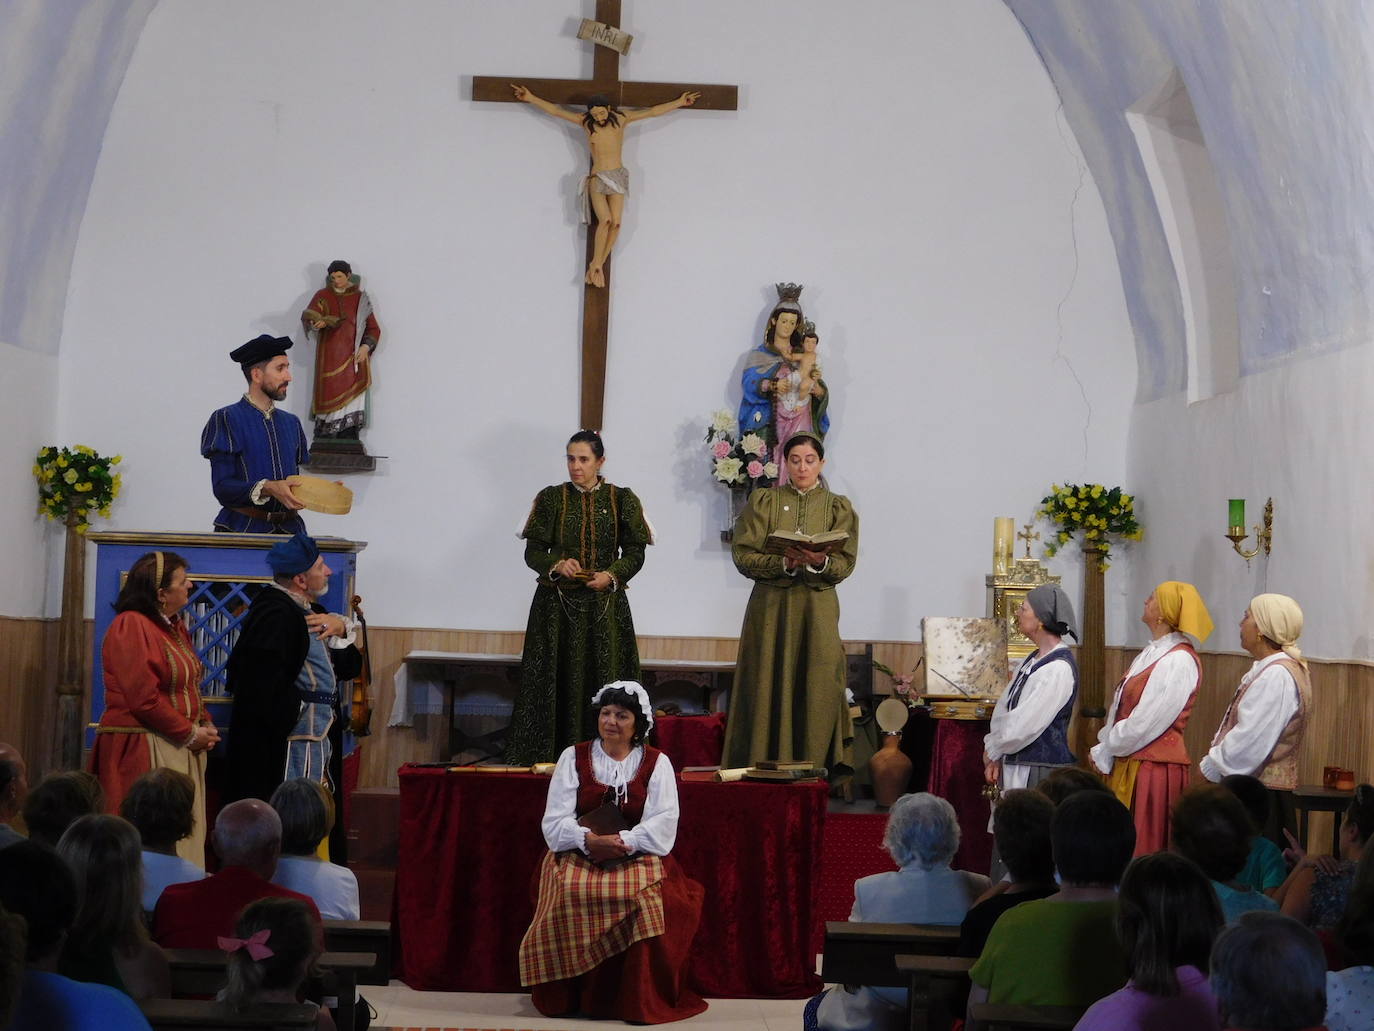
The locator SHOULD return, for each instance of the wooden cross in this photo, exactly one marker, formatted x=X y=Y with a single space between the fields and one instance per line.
x=1027 y=536
x=605 y=80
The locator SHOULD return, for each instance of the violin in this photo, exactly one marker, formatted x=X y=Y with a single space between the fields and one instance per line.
x=360 y=716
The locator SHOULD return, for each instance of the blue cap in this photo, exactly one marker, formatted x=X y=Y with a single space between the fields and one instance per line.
x=293 y=556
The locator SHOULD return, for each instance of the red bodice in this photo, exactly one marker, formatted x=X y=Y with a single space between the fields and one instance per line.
x=591 y=793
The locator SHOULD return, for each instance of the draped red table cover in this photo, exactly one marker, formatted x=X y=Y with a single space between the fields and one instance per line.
x=691 y=740
x=956 y=775
x=470 y=845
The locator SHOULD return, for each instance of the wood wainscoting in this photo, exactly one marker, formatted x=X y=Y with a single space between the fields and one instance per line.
x=1340 y=734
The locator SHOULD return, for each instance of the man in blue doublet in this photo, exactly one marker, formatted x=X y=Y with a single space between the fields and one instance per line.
x=253 y=446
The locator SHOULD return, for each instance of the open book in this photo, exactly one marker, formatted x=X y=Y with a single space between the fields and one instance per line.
x=780 y=540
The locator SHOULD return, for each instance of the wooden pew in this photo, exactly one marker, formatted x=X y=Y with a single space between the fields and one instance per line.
x=198 y=1015
x=865 y=953
x=937 y=988
x=201 y=972
x=1025 y=1018
x=364 y=936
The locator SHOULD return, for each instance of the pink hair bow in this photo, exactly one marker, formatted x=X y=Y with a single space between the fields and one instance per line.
x=255 y=944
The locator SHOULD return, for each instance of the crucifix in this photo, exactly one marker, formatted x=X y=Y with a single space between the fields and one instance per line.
x=1027 y=536
x=605 y=82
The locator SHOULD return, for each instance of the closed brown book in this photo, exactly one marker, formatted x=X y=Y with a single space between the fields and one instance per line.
x=606 y=819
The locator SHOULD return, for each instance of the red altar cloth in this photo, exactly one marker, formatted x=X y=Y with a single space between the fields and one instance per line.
x=470 y=846
x=690 y=740
x=956 y=775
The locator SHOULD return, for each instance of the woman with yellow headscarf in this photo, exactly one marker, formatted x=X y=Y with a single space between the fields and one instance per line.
x=1261 y=732
x=1140 y=747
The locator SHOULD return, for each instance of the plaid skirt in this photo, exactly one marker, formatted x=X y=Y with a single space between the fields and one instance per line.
x=586 y=914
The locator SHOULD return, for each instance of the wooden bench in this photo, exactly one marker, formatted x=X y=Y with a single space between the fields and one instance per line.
x=365 y=936
x=937 y=990
x=201 y=973
x=866 y=953
x=1025 y=1018
x=197 y=1015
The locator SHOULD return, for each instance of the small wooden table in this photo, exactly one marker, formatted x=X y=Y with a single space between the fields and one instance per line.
x=1313 y=797
x=712 y=678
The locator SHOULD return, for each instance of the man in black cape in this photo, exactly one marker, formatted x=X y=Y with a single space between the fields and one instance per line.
x=283 y=673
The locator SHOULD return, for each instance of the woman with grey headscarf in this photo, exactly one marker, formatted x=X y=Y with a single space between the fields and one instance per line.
x=1029 y=735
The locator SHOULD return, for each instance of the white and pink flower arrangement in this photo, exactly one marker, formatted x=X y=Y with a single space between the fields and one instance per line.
x=742 y=462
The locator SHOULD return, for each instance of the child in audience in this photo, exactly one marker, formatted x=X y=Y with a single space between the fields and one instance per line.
x=1268 y=975
x=1167 y=918
x=1264 y=869
x=272 y=951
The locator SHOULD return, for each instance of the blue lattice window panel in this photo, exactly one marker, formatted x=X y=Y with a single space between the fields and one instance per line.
x=216 y=608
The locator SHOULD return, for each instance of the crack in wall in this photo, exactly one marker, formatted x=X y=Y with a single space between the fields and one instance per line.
x=1059 y=354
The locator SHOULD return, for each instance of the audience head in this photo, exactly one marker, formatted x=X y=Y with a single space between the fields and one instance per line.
x=1212 y=828
x=1358 y=822
x=1253 y=795
x=307 y=815
x=285 y=939
x=37 y=884
x=1167 y=916
x=13 y=941
x=1269 y=974
x=1021 y=827
x=14 y=781
x=161 y=806
x=1069 y=780
x=921 y=829
x=248 y=833
x=106 y=857
x=1355 y=932
x=57 y=801
x=1093 y=837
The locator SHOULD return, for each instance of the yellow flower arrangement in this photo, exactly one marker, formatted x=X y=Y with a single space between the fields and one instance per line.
x=1099 y=512
x=75 y=480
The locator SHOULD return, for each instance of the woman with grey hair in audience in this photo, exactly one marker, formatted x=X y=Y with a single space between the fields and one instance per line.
x=1269 y=974
x=922 y=836
x=307 y=816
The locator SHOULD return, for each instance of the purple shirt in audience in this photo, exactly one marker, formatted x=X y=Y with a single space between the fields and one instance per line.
x=1130 y=1009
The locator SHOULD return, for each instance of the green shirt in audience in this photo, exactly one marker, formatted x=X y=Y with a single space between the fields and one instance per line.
x=1046 y=953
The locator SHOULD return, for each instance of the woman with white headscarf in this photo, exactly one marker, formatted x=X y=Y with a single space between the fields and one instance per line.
x=616 y=915
x=1261 y=732
x=1029 y=732
x=1140 y=747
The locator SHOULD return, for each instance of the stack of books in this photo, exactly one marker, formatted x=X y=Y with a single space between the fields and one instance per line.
x=786 y=770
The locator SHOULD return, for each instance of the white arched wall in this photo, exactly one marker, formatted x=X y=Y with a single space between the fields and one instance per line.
x=910 y=165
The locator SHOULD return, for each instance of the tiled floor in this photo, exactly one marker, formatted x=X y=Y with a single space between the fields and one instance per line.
x=399 y=1006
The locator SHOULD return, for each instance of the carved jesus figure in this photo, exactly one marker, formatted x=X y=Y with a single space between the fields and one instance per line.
x=605 y=187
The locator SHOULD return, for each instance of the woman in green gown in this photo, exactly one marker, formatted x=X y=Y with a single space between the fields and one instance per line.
x=585 y=539
x=788 y=700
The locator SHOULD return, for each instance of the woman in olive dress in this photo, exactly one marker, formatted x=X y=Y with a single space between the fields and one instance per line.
x=788 y=699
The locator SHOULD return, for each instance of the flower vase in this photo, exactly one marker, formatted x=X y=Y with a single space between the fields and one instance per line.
x=890 y=770
x=739 y=498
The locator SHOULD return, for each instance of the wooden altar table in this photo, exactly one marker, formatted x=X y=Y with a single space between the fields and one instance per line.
x=470 y=846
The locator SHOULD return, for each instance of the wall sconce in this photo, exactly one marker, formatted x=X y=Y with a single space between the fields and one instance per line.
x=1264 y=535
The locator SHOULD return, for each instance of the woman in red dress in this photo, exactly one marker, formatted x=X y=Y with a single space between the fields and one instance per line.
x=615 y=919
x=154 y=715
x=1140 y=747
